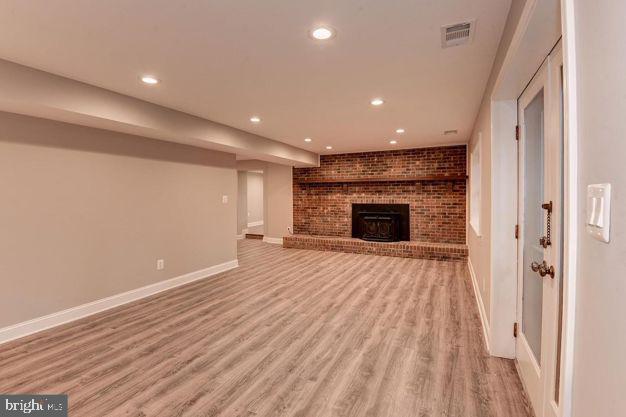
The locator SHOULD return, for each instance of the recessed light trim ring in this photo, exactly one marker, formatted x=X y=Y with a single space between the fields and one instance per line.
x=149 y=79
x=322 y=33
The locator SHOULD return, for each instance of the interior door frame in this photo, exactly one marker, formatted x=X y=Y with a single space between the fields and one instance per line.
x=556 y=253
x=570 y=205
x=529 y=43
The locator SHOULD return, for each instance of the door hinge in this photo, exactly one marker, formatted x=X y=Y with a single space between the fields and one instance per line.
x=514 y=329
x=517 y=132
x=517 y=231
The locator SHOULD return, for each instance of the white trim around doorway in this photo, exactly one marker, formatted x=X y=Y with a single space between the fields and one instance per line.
x=504 y=91
x=570 y=204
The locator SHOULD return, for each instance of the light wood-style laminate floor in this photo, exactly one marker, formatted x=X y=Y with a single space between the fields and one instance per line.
x=288 y=333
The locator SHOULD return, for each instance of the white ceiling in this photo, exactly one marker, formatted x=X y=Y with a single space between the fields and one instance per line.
x=226 y=60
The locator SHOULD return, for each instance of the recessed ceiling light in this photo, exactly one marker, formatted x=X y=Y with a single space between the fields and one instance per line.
x=308 y=139
x=400 y=130
x=393 y=142
x=322 y=33
x=255 y=119
x=329 y=147
x=149 y=79
x=451 y=132
x=377 y=101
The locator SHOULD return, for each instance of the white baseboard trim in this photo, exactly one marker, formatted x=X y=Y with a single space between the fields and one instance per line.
x=239 y=237
x=479 y=302
x=252 y=224
x=61 y=317
x=274 y=240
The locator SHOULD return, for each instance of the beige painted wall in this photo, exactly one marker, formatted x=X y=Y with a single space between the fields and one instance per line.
x=85 y=214
x=278 y=189
x=480 y=246
x=255 y=197
x=600 y=336
x=242 y=201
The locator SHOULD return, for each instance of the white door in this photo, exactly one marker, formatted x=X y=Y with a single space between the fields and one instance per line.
x=540 y=238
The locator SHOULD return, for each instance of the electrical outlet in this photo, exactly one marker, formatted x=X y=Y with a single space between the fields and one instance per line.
x=160 y=264
x=224 y=199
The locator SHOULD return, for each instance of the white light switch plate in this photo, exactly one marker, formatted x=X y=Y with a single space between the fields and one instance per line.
x=224 y=199
x=598 y=218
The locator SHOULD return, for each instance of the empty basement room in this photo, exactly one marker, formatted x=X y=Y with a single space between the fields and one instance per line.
x=402 y=208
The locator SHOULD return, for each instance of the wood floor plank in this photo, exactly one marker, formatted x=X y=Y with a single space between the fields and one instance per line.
x=288 y=333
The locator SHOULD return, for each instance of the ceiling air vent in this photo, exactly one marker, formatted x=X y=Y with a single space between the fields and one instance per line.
x=457 y=34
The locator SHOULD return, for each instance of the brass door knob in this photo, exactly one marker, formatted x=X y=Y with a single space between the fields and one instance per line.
x=543 y=269
x=535 y=266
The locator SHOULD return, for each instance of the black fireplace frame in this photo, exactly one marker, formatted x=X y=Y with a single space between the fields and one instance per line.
x=401 y=212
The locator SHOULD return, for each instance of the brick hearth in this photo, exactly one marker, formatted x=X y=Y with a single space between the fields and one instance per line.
x=422 y=250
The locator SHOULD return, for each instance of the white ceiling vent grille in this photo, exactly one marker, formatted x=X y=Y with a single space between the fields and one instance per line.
x=457 y=34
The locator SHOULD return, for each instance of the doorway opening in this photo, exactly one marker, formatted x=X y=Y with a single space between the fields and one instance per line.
x=250 y=205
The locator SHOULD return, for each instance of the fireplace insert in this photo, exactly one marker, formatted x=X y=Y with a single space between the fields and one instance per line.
x=381 y=222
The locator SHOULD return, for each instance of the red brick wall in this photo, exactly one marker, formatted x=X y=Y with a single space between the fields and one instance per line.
x=437 y=208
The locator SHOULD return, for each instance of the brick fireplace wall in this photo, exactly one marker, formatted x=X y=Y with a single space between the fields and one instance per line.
x=437 y=207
